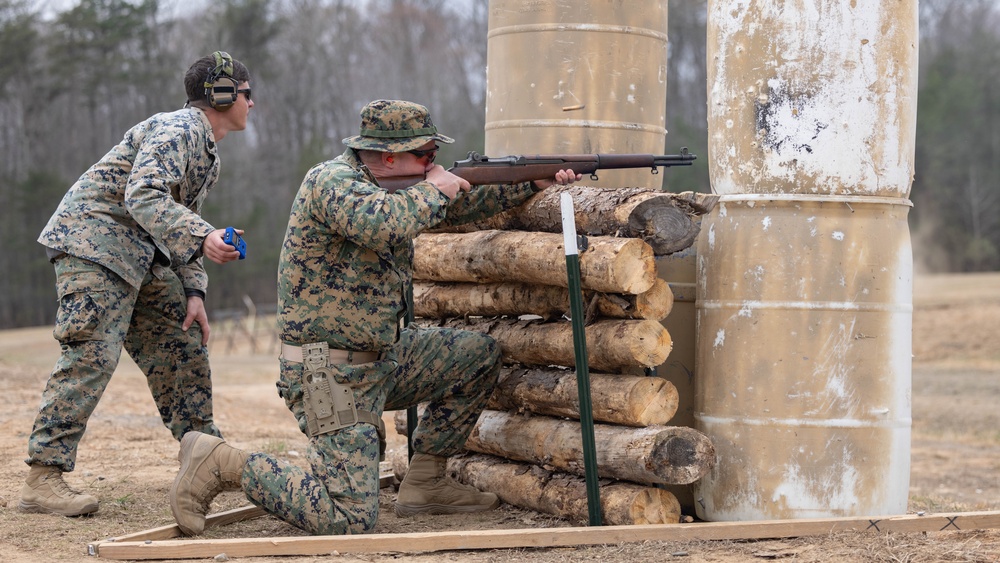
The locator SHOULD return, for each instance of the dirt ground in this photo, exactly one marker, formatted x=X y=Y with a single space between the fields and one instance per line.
x=128 y=460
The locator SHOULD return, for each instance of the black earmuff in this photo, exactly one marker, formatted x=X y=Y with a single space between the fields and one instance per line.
x=220 y=86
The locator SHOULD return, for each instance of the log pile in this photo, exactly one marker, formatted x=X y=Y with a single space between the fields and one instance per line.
x=507 y=278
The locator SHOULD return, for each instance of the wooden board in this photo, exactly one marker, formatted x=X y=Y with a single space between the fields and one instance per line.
x=173 y=531
x=386 y=478
x=546 y=537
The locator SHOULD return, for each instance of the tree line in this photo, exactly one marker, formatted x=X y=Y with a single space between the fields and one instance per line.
x=72 y=82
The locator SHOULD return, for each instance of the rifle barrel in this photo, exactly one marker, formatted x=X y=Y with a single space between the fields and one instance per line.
x=614 y=161
x=483 y=170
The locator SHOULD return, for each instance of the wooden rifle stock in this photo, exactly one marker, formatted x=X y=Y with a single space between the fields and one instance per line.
x=480 y=170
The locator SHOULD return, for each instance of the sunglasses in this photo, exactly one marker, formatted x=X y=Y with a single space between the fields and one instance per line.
x=429 y=154
x=244 y=91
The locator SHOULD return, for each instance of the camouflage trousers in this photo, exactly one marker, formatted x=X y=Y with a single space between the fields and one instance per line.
x=452 y=371
x=99 y=313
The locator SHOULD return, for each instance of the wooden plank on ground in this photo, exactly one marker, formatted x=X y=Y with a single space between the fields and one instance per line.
x=386 y=479
x=173 y=531
x=546 y=537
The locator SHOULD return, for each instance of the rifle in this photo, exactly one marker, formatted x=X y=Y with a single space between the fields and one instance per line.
x=480 y=170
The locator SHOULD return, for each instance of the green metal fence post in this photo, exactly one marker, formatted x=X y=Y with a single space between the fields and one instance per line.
x=580 y=350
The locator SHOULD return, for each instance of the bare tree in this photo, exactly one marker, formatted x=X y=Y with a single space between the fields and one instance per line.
x=687 y=97
x=957 y=185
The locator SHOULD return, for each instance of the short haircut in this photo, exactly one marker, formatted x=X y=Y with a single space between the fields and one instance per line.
x=199 y=73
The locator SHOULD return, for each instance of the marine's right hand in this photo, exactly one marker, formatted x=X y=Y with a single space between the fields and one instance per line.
x=446 y=182
x=216 y=250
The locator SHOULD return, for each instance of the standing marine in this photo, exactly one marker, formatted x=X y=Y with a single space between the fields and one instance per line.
x=127 y=243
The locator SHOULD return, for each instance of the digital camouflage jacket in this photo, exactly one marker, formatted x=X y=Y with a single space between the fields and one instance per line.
x=347 y=257
x=142 y=201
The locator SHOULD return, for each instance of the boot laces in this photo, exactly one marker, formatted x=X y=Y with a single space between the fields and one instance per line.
x=59 y=485
x=446 y=481
x=217 y=486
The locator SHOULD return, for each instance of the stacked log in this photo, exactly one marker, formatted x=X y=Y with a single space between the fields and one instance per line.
x=616 y=399
x=612 y=265
x=539 y=489
x=662 y=220
x=612 y=344
x=444 y=300
x=668 y=455
x=511 y=284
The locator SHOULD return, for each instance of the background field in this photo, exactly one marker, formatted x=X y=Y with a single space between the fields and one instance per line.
x=128 y=459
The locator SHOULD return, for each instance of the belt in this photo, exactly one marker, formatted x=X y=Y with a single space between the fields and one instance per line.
x=294 y=354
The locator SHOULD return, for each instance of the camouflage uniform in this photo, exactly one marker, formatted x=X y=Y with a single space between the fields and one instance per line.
x=344 y=267
x=126 y=244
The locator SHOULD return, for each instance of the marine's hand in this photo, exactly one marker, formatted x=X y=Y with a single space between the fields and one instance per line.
x=446 y=182
x=216 y=250
x=196 y=314
x=563 y=177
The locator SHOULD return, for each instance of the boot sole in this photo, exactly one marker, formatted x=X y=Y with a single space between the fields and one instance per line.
x=404 y=511
x=34 y=508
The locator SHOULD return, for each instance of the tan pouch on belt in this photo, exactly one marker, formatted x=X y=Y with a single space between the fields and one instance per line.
x=329 y=405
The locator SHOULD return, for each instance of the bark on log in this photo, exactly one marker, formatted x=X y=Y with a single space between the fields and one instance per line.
x=668 y=455
x=440 y=300
x=614 y=265
x=559 y=494
x=672 y=455
x=663 y=220
x=616 y=399
x=613 y=346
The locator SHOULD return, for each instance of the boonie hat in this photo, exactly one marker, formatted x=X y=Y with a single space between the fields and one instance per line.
x=395 y=126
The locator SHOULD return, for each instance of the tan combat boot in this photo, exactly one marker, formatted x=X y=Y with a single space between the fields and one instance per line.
x=45 y=491
x=427 y=490
x=208 y=466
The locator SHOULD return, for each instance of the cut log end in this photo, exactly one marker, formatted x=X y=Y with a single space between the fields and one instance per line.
x=650 y=343
x=683 y=455
x=617 y=265
x=662 y=408
x=656 y=303
x=667 y=229
x=655 y=506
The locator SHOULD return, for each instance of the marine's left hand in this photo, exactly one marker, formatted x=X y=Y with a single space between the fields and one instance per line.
x=196 y=314
x=563 y=177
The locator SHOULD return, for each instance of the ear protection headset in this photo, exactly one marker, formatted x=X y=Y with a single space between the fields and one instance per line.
x=220 y=86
